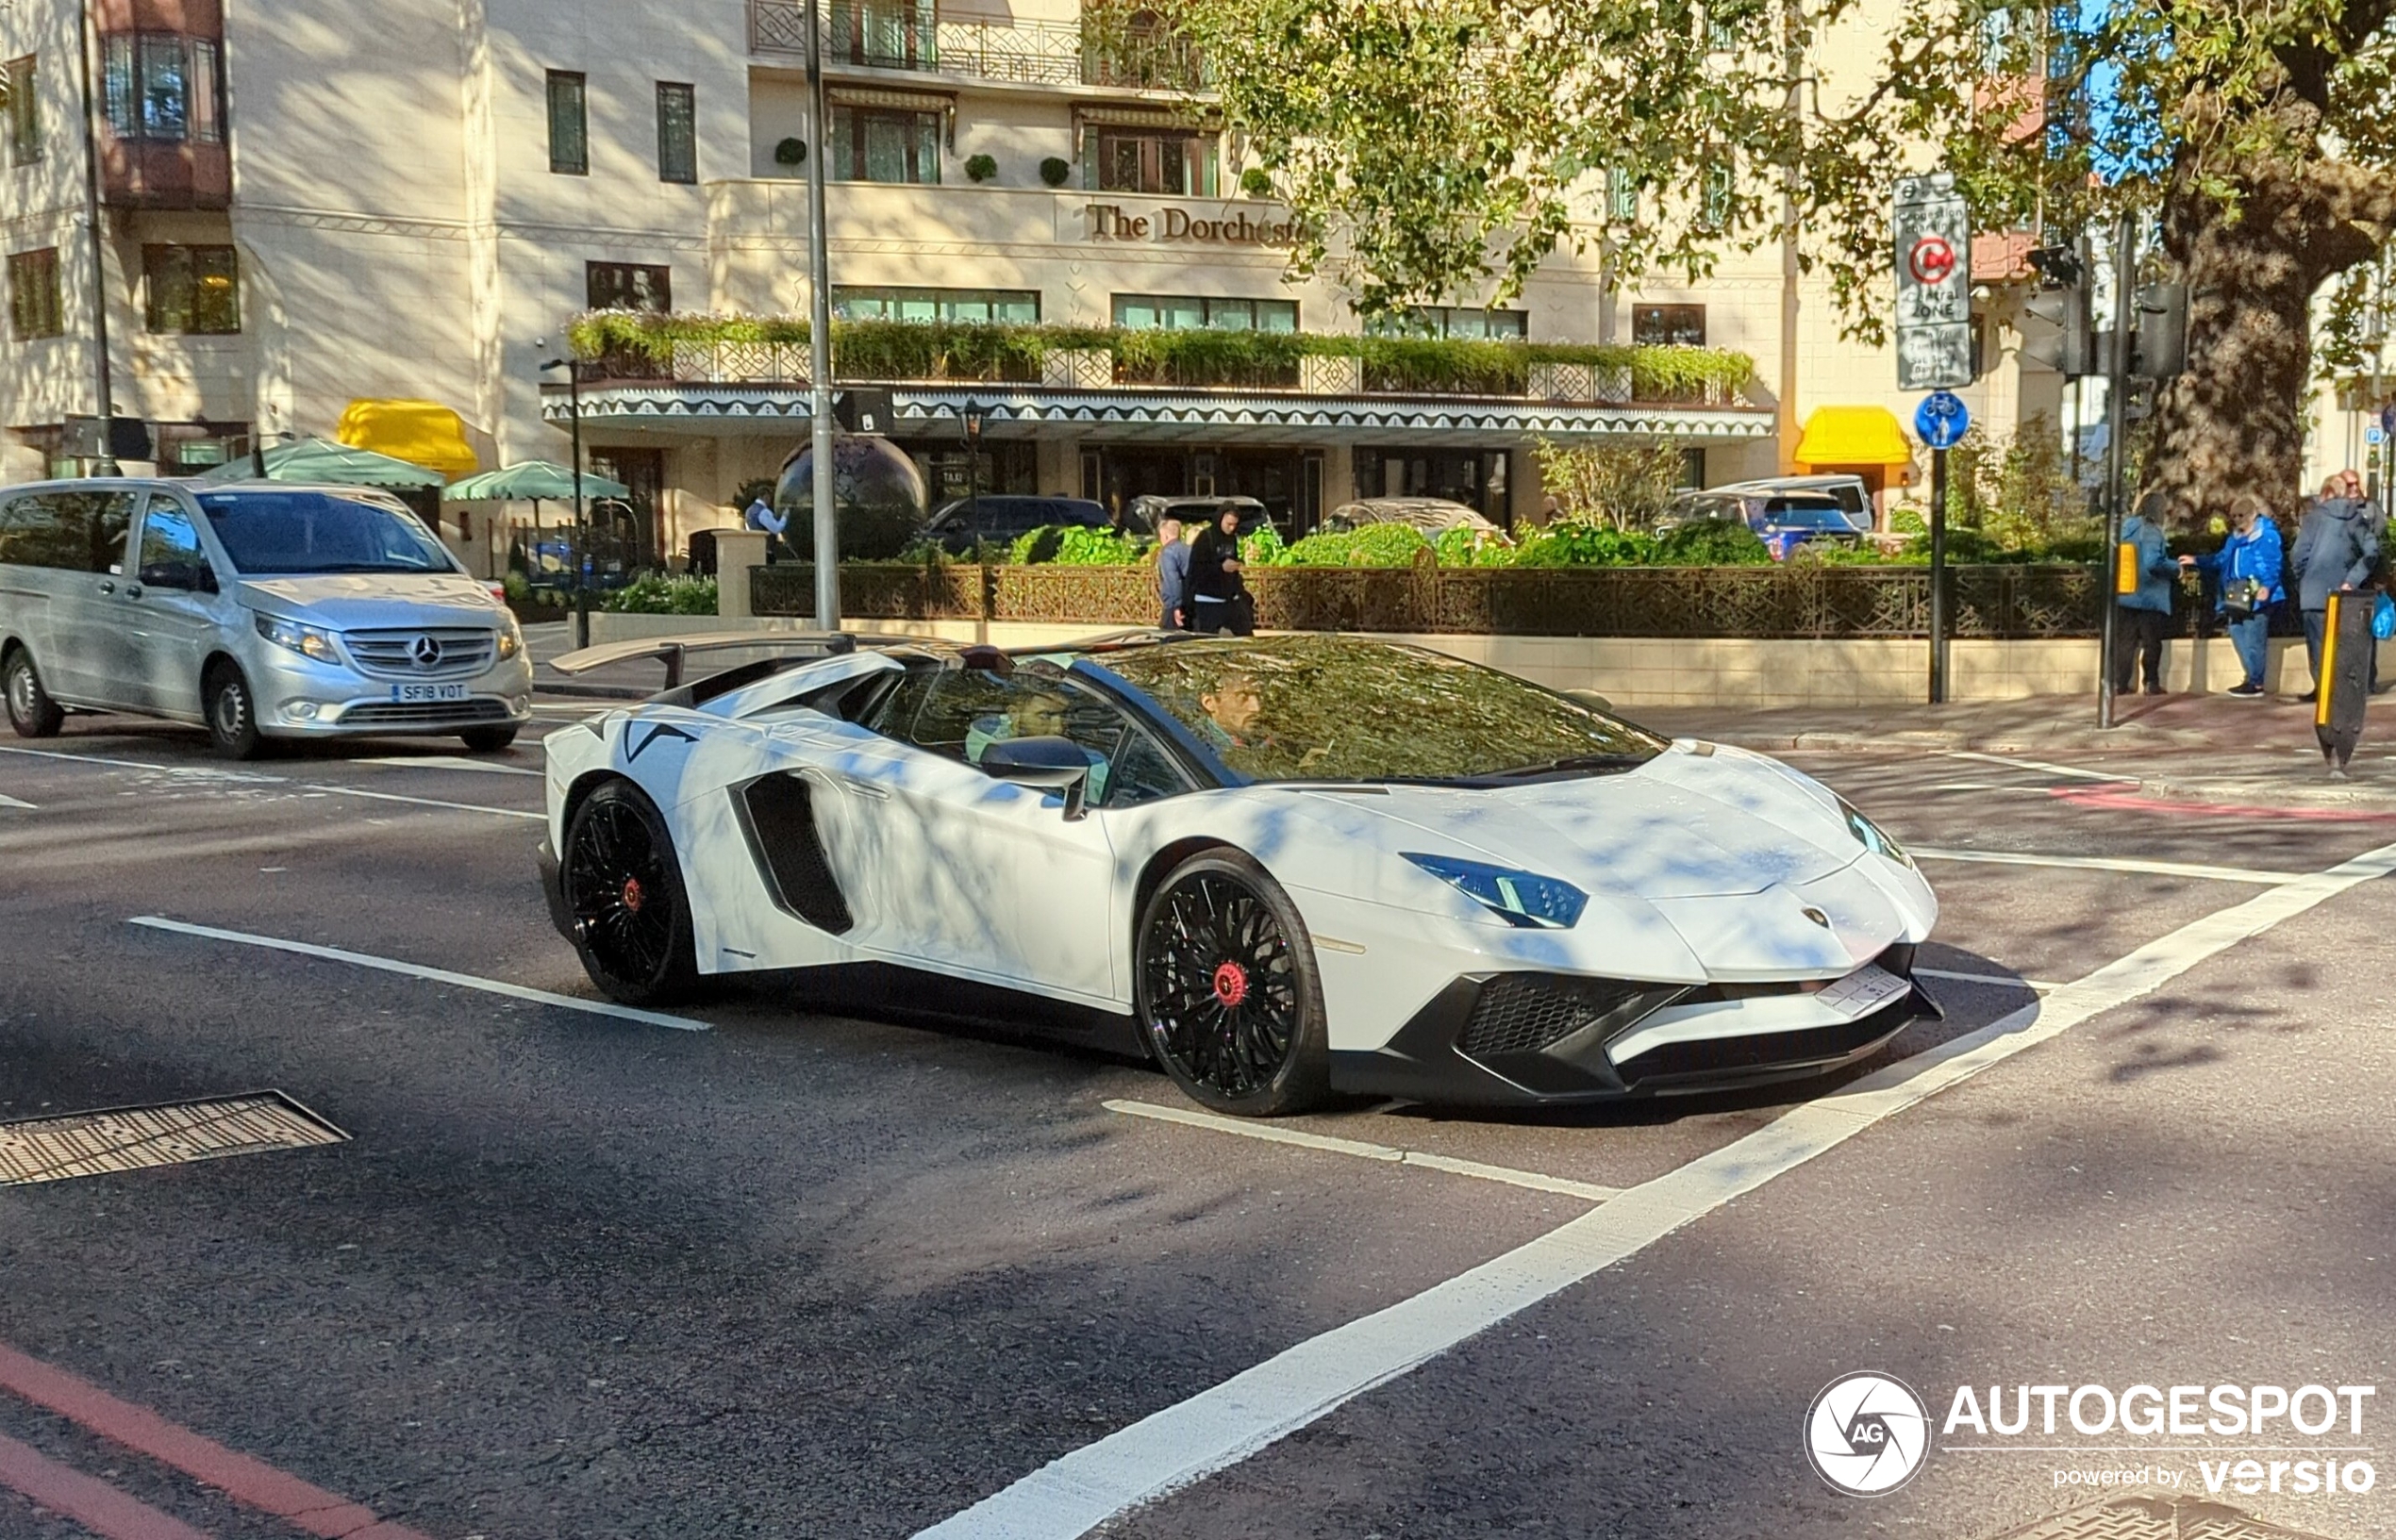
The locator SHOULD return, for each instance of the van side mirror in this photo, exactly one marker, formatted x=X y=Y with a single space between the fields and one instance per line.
x=1050 y=763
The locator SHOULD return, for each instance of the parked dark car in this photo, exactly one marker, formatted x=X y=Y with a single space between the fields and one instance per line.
x=1144 y=514
x=1783 y=520
x=1432 y=515
x=997 y=520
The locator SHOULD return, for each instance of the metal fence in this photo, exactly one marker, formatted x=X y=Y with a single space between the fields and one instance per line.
x=1796 y=601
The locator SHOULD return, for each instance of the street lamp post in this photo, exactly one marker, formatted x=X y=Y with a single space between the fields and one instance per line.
x=582 y=533
x=828 y=552
x=973 y=415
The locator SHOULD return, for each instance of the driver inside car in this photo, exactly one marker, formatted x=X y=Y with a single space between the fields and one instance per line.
x=1035 y=713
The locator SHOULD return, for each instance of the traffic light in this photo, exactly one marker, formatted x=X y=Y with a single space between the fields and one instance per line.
x=2159 y=346
x=2062 y=301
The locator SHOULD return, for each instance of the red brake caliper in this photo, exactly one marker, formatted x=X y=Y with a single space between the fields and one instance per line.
x=1231 y=983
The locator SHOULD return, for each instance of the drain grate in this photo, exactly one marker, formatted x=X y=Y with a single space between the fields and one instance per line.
x=129 y=1138
x=2142 y=1516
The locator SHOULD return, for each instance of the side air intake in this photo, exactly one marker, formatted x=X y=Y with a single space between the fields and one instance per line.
x=780 y=821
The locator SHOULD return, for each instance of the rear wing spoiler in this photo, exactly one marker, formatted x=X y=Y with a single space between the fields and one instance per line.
x=694 y=655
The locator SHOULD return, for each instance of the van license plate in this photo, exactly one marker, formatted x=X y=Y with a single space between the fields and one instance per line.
x=409 y=693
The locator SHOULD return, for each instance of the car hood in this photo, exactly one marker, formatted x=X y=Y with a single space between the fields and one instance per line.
x=349 y=601
x=1680 y=826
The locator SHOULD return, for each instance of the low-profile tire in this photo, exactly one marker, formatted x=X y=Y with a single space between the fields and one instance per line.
x=32 y=711
x=624 y=894
x=488 y=739
x=232 y=714
x=1227 y=993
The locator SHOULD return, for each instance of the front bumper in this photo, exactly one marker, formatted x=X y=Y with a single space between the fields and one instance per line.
x=301 y=697
x=1524 y=1038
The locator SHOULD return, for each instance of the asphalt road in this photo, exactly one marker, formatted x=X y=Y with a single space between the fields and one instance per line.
x=813 y=1272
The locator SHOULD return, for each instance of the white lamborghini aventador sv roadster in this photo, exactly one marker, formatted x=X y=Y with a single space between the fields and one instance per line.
x=1286 y=866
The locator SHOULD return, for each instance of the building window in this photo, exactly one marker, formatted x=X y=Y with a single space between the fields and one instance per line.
x=1181 y=313
x=162 y=87
x=1667 y=325
x=1010 y=307
x=678 y=132
x=1715 y=198
x=569 y=123
x=1621 y=195
x=33 y=293
x=628 y=285
x=1158 y=160
x=192 y=289
x=885 y=145
x=25 y=112
x=1453 y=320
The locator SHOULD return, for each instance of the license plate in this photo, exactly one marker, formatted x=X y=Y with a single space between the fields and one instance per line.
x=1863 y=992
x=407 y=694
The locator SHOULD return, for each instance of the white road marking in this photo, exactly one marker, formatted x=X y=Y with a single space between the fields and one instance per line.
x=1273 y=1134
x=2006 y=980
x=430 y=801
x=414 y=971
x=443 y=761
x=1217 y=1428
x=2070 y=772
x=14 y=802
x=2114 y=863
x=204 y=772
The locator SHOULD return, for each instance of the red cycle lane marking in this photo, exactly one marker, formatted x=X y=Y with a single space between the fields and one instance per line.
x=2131 y=802
x=95 y=1504
x=250 y=1483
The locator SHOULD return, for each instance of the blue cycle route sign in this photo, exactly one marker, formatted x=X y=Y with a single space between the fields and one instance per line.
x=1941 y=419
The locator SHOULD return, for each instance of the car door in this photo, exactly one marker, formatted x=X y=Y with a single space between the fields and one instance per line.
x=168 y=616
x=987 y=876
x=91 y=529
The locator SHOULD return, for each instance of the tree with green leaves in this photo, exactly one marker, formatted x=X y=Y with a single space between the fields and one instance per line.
x=1440 y=149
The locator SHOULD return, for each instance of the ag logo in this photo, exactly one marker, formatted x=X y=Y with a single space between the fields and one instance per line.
x=1865 y=1434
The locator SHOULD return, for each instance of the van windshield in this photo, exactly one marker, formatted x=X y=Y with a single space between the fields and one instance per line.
x=288 y=534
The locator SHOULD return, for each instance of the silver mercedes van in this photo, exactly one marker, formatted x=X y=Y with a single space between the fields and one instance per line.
x=261 y=610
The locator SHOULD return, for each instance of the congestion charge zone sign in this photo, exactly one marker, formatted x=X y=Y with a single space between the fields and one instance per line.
x=1931 y=231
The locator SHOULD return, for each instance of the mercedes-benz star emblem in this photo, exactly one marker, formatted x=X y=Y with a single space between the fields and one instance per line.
x=426 y=651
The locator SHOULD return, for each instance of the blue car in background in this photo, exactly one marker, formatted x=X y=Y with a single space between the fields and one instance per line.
x=1783 y=518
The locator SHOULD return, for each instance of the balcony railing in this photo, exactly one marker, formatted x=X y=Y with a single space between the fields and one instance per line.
x=882 y=34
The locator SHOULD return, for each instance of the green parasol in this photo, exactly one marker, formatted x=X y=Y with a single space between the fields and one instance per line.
x=530 y=481
x=322 y=462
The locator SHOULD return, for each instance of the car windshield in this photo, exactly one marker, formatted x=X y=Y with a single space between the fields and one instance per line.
x=1338 y=708
x=1808 y=513
x=286 y=533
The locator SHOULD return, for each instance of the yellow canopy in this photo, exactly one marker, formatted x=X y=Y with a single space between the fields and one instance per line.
x=1852 y=436
x=422 y=432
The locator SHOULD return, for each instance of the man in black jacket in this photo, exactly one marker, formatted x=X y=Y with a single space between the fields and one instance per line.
x=1216 y=590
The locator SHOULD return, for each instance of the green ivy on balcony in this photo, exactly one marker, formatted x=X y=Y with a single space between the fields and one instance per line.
x=647 y=343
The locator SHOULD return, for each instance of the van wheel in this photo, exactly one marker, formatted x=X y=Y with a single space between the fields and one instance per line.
x=32 y=711
x=488 y=739
x=232 y=714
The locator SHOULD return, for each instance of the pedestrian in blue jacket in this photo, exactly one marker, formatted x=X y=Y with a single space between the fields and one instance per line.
x=2248 y=585
x=2146 y=617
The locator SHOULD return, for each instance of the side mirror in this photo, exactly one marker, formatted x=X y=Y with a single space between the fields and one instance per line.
x=1051 y=764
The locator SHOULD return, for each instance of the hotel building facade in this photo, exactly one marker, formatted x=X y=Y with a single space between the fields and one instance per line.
x=242 y=220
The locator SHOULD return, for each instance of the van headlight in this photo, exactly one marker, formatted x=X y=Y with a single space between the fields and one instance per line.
x=308 y=640
x=511 y=638
x=1871 y=837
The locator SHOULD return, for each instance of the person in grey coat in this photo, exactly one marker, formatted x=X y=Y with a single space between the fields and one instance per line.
x=2146 y=617
x=2337 y=551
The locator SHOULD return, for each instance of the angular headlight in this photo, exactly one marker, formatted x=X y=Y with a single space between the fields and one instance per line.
x=1519 y=897
x=511 y=636
x=309 y=641
x=1871 y=837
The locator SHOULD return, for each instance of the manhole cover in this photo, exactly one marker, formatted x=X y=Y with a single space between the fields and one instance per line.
x=128 y=1139
x=2140 y=1517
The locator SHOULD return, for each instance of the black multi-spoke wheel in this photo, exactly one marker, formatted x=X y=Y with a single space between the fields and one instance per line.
x=1228 y=992
x=624 y=889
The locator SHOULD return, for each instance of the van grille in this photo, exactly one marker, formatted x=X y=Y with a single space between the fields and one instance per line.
x=424 y=713
x=396 y=653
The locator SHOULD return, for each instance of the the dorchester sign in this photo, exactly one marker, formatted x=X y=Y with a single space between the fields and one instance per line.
x=1110 y=222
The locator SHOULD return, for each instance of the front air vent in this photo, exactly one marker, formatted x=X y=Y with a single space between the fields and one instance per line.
x=1526 y=1013
x=780 y=821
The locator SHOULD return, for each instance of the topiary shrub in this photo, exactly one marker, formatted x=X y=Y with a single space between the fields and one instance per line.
x=980 y=168
x=791 y=152
x=1375 y=545
x=1255 y=183
x=1712 y=542
x=654 y=593
x=1056 y=171
x=1574 y=543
